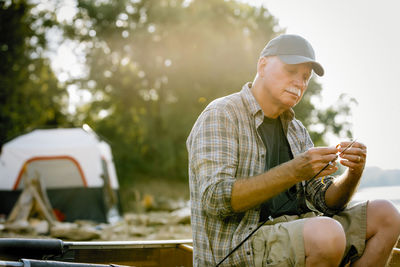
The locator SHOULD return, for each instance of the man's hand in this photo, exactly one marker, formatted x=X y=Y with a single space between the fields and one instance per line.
x=309 y=163
x=344 y=187
x=354 y=158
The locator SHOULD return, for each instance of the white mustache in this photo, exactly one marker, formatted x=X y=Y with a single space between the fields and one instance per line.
x=294 y=91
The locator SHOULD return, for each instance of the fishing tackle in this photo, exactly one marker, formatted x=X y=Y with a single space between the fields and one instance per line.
x=330 y=163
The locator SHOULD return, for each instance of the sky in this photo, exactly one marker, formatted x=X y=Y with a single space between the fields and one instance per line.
x=358 y=44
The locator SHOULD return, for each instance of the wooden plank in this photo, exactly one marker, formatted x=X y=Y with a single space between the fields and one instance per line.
x=132 y=257
x=22 y=208
x=168 y=253
x=126 y=244
x=186 y=248
x=140 y=257
x=395 y=260
x=185 y=253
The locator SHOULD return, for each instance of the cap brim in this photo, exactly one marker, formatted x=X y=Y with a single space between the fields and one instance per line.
x=294 y=59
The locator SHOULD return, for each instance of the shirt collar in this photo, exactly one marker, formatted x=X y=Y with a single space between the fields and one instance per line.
x=254 y=108
x=249 y=100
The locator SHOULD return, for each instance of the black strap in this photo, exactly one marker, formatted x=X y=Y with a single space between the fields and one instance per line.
x=15 y=248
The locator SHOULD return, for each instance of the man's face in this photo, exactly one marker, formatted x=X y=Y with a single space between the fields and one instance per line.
x=284 y=84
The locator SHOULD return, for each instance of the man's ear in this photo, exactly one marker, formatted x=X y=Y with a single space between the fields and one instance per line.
x=262 y=62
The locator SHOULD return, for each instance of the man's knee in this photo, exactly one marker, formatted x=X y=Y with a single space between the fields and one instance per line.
x=324 y=238
x=382 y=214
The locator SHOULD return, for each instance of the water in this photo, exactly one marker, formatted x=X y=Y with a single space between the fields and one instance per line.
x=391 y=193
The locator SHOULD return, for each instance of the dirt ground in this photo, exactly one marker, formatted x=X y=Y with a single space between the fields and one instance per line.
x=155 y=225
x=152 y=210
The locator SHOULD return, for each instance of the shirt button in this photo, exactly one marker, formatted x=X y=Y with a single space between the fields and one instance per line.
x=262 y=155
x=250 y=229
x=248 y=252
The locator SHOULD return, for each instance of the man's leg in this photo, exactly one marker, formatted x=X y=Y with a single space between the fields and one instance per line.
x=383 y=230
x=324 y=241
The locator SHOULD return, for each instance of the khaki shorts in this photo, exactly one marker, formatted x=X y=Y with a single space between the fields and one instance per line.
x=280 y=242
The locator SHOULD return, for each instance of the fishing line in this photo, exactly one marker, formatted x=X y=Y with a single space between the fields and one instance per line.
x=270 y=218
x=247 y=237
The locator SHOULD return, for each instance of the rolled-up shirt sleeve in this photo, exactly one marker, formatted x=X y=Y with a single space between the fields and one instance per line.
x=315 y=193
x=213 y=159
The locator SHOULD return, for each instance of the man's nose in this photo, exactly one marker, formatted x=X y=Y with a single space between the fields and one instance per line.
x=299 y=81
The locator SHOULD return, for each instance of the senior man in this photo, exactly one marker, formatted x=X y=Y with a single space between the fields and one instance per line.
x=251 y=160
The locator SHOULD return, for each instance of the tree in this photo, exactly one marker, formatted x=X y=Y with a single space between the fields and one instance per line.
x=333 y=120
x=30 y=95
x=154 y=66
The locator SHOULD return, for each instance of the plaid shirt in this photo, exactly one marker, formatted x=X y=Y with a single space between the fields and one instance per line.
x=223 y=146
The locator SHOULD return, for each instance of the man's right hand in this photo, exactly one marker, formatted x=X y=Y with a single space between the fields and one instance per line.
x=248 y=193
x=306 y=165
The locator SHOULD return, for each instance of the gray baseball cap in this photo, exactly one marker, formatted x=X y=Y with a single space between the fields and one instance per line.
x=292 y=49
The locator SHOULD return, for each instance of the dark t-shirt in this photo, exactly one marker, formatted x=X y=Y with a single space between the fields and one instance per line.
x=278 y=152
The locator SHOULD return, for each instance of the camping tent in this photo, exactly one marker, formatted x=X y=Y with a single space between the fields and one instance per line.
x=75 y=166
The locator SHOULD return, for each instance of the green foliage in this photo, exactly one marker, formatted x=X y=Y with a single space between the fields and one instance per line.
x=30 y=96
x=332 y=120
x=155 y=65
x=152 y=67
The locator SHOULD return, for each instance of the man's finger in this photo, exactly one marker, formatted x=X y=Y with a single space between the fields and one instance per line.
x=353 y=151
x=323 y=150
x=354 y=158
x=345 y=144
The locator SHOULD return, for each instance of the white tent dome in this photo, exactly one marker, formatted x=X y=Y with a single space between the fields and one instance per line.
x=61 y=157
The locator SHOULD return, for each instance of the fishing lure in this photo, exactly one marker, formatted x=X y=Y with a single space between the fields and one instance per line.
x=337 y=155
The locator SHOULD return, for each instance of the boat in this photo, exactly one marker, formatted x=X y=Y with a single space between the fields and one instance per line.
x=58 y=253
x=55 y=252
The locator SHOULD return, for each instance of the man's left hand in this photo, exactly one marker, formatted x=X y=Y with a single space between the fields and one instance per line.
x=354 y=158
